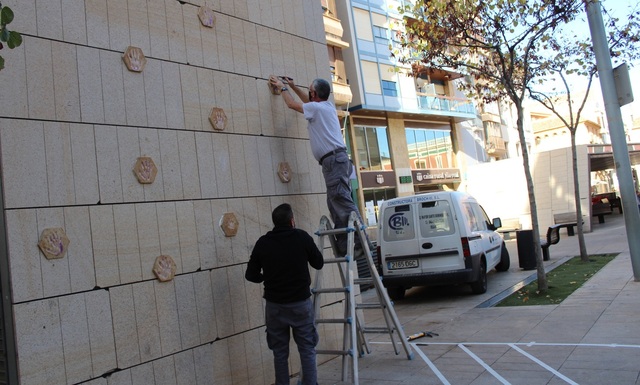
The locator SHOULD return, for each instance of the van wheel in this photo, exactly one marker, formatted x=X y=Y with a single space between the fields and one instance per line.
x=396 y=292
x=505 y=260
x=480 y=286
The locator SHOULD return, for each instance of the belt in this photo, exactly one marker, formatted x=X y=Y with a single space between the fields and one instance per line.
x=328 y=154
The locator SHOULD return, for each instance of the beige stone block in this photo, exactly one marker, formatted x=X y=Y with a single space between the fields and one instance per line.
x=221 y=363
x=154 y=94
x=39 y=78
x=222 y=301
x=148 y=237
x=238 y=46
x=252 y=111
x=309 y=59
x=126 y=231
x=277 y=15
x=129 y=151
x=134 y=98
x=206 y=90
x=222 y=91
x=254 y=178
x=113 y=87
x=55 y=272
x=49 y=19
x=25 y=16
x=139 y=25
x=293 y=187
x=192 y=35
x=266 y=103
x=125 y=330
x=189 y=165
x=104 y=246
x=168 y=232
x=170 y=162
x=254 y=360
x=97 y=381
x=101 y=332
x=185 y=364
x=254 y=14
x=187 y=311
x=75 y=338
x=164 y=371
x=26 y=273
x=264 y=214
x=264 y=53
x=302 y=164
x=168 y=319
x=146 y=318
x=205 y=235
x=266 y=166
x=65 y=81
x=118 y=19
x=289 y=57
x=190 y=98
x=251 y=220
x=279 y=154
x=77 y=226
x=241 y=9
x=39 y=342
x=22 y=144
x=206 y=165
x=177 y=46
x=14 y=77
x=158 y=31
x=238 y=170
x=150 y=146
x=173 y=95
x=301 y=70
x=188 y=238
x=238 y=111
x=59 y=160
x=289 y=7
x=143 y=374
x=238 y=293
x=90 y=84
x=210 y=45
x=109 y=176
x=205 y=306
x=122 y=377
x=221 y=153
x=238 y=357
x=97 y=23
x=226 y=6
x=203 y=365
x=224 y=43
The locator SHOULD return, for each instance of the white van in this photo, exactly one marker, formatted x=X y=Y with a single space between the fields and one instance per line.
x=438 y=238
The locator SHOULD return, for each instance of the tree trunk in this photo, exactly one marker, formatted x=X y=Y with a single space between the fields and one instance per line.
x=584 y=257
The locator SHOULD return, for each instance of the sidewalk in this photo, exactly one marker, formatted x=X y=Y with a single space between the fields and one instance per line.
x=593 y=337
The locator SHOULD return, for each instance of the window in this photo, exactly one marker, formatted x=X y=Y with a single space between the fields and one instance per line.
x=435 y=219
x=429 y=148
x=389 y=88
x=373 y=148
x=400 y=224
x=380 y=33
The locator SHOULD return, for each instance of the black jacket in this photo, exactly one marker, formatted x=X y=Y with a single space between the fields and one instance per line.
x=279 y=259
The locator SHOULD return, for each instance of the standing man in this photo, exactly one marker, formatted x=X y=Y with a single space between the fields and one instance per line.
x=279 y=259
x=327 y=146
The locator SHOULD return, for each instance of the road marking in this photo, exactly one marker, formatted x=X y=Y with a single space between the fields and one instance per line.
x=484 y=365
x=431 y=365
x=549 y=368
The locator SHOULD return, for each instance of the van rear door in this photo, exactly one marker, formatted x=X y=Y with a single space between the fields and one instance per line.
x=438 y=235
x=399 y=251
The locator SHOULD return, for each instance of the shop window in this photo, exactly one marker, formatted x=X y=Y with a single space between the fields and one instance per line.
x=429 y=148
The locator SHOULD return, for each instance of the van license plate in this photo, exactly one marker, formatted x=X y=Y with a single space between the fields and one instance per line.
x=407 y=264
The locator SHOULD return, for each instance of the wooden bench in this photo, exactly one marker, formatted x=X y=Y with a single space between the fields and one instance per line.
x=553 y=237
x=601 y=209
x=567 y=220
x=510 y=225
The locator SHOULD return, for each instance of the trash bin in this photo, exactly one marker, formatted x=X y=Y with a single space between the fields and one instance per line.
x=526 y=252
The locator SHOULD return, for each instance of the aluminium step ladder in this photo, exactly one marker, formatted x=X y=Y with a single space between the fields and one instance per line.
x=354 y=343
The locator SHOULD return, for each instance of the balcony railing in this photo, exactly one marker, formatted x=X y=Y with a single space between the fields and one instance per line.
x=445 y=103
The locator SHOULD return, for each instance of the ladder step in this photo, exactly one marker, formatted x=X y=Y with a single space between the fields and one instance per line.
x=334 y=320
x=374 y=329
x=340 y=230
x=361 y=281
x=337 y=260
x=332 y=290
x=335 y=352
x=372 y=305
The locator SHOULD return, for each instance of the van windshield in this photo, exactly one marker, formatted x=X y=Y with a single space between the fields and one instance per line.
x=435 y=219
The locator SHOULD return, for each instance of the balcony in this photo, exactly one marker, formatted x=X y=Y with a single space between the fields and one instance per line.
x=333 y=31
x=341 y=93
x=428 y=102
x=496 y=146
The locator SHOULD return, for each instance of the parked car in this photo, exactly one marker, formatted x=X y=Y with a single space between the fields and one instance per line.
x=438 y=238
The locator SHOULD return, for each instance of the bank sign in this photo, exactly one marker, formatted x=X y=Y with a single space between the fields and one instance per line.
x=435 y=175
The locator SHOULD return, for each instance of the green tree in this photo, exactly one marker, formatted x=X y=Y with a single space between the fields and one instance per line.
x=572 y=56
x=499 y=45
x=11 y=38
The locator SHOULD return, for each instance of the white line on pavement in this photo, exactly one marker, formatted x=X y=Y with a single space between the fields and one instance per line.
x=484 y=365
x=431 y=365
x=549 y=368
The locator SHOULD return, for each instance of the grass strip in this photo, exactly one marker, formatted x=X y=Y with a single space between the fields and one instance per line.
x=563 y=280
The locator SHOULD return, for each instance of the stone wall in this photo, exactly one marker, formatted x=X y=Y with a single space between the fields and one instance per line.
x=74 y=119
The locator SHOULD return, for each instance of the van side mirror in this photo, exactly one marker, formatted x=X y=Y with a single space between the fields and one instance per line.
x=497 y=223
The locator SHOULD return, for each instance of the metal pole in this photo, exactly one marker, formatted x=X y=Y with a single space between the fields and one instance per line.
x=616 y=131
